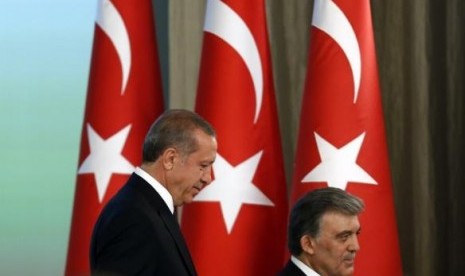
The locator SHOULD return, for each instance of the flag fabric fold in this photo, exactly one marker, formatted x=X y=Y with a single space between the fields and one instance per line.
x=342 y=141
x=237 y=224
x=124 y=97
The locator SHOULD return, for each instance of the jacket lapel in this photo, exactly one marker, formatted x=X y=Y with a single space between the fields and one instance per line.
x=154 y=201
x=173 y=227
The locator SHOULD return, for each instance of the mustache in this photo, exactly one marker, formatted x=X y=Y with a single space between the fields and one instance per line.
x=349 y=257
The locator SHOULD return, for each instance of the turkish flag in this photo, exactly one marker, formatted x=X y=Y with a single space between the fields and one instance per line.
x=124 y=98
x=237 y=224
x=341 y=140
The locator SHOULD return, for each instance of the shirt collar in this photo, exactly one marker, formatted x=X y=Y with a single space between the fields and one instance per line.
x=161 y=190
x=305 y=268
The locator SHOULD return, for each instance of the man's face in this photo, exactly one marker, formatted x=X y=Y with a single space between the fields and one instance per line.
x=193 y=172
x=336 y=244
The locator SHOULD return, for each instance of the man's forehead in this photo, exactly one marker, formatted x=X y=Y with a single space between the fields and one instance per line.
x=337 y=221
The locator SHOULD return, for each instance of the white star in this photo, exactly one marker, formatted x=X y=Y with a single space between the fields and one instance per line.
x=338 y=166
x=105 y=158
x=233 y=187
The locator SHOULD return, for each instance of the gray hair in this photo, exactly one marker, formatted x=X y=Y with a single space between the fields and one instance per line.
x=307 y=212
x=174 y=128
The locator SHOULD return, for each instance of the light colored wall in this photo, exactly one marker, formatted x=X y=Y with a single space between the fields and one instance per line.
x=45 y=50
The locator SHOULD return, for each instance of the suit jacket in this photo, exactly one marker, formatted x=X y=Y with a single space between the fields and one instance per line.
x=291 y=270
x=136 y=234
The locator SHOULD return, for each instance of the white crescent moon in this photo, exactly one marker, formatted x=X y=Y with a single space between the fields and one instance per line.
x=223 y=22
x=111 y=22
x=328 y=17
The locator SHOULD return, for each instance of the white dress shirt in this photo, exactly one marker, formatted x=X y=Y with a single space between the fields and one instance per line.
x=161 y=190
x=305 y=268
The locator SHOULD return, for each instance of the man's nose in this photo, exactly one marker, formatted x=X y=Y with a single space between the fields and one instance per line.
x=207 y=176
x=354 y=245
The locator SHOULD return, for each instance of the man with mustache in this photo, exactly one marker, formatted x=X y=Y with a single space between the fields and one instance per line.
x=137 y=232
x=323 y=234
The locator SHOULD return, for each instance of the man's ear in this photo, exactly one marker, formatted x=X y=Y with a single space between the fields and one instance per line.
x=168 y=158
x=307 y=243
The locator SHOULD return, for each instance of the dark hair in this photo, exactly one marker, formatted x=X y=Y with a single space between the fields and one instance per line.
x=307 y=212
x=174 y=128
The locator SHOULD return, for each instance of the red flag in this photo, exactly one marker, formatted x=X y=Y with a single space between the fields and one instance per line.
x=342 y=141
x=124 y=98
x=237 y=224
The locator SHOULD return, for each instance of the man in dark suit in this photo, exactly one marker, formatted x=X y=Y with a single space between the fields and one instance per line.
x=137 y=232
x=322 y=234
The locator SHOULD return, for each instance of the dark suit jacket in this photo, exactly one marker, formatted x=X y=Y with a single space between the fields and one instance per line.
x=291 y=270
x=136 y=234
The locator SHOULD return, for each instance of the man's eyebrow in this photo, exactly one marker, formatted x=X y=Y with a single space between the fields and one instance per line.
x=347 y=232
x=343 y=233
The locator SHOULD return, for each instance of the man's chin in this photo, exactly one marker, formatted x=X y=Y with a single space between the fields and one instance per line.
x=349 y=263
x=348 y=270
x=190 y=199
x=194 y=193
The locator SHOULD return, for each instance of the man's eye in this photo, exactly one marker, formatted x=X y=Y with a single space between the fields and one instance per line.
x=344 y=237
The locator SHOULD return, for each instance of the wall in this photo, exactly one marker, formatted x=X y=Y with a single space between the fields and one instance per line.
x=45 y=51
